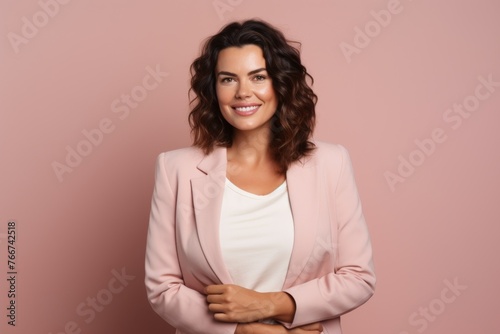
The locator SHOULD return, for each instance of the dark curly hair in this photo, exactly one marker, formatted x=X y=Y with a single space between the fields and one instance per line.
x=292 y=124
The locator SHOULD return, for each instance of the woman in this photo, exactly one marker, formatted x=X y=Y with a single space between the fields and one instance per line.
x=255 y=228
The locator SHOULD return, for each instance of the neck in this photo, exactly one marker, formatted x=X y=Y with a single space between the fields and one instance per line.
x=251 y=146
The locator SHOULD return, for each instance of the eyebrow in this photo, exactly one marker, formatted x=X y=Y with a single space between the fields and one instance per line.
x=234 y=75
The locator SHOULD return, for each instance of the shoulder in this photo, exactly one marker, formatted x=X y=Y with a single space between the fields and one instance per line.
x=177 y=166
x=329 y=153
x=325 y=148
x=190 y=161
x=335 y=163
x=331 y=160
x=179 y=159
x=182 y=154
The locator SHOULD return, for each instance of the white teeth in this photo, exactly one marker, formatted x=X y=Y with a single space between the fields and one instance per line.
x=246 y=109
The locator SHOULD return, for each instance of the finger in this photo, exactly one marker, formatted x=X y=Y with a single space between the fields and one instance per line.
x=222 y=317
x=217 y=299
x=212 y=289
x=218 y=289
x=216 y=308
x=311 y=327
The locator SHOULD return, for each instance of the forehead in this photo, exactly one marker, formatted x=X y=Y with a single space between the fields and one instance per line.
x=244 y=58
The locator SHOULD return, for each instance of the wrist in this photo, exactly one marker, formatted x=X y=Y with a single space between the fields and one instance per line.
x=282 y=306
x=242 y=329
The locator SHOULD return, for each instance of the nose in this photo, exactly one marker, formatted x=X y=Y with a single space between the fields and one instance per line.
x=244 y=90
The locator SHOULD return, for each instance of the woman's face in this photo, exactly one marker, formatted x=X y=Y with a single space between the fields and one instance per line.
x=244 y=89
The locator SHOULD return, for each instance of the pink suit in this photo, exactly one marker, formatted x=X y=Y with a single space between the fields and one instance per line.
x=330 y=270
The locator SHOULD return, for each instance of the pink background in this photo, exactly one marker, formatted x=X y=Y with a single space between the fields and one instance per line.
x=436 y=225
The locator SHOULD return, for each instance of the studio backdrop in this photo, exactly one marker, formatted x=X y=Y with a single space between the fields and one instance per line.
x=92 y=91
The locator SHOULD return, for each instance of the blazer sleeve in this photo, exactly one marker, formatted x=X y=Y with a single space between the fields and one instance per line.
x=352 y=282
x=182 y=307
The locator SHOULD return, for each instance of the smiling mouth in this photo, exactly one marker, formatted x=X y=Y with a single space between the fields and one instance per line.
x=246 y=110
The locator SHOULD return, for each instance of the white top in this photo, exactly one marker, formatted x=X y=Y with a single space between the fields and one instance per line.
x=256 y=235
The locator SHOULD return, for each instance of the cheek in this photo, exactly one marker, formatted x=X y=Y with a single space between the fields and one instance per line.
x=224 y=94
x=266 y=93
x=218 y=92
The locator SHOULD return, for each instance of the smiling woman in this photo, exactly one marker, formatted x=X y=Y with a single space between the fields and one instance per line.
x=293 y=121
x=244 y=89
x=256 y=228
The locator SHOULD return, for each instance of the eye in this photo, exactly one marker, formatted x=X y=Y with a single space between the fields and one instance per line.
x=227 y=80
x=260 y=77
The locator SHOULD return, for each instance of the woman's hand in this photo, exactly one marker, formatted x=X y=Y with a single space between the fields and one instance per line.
x=259 y=328
x=233 y=303
x=315 y=328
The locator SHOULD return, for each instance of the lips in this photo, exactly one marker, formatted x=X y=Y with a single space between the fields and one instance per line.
x=246 y=110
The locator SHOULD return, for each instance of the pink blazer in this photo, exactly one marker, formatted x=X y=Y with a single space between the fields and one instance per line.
x=330 y=271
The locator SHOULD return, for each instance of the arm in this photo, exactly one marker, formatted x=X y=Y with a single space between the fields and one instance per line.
x=233 y=303
x=182 y=307
x=259 y=328
x=352 y=282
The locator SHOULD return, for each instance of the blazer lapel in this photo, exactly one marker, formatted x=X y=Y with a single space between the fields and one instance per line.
x=303 y=195
x=208 y=191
